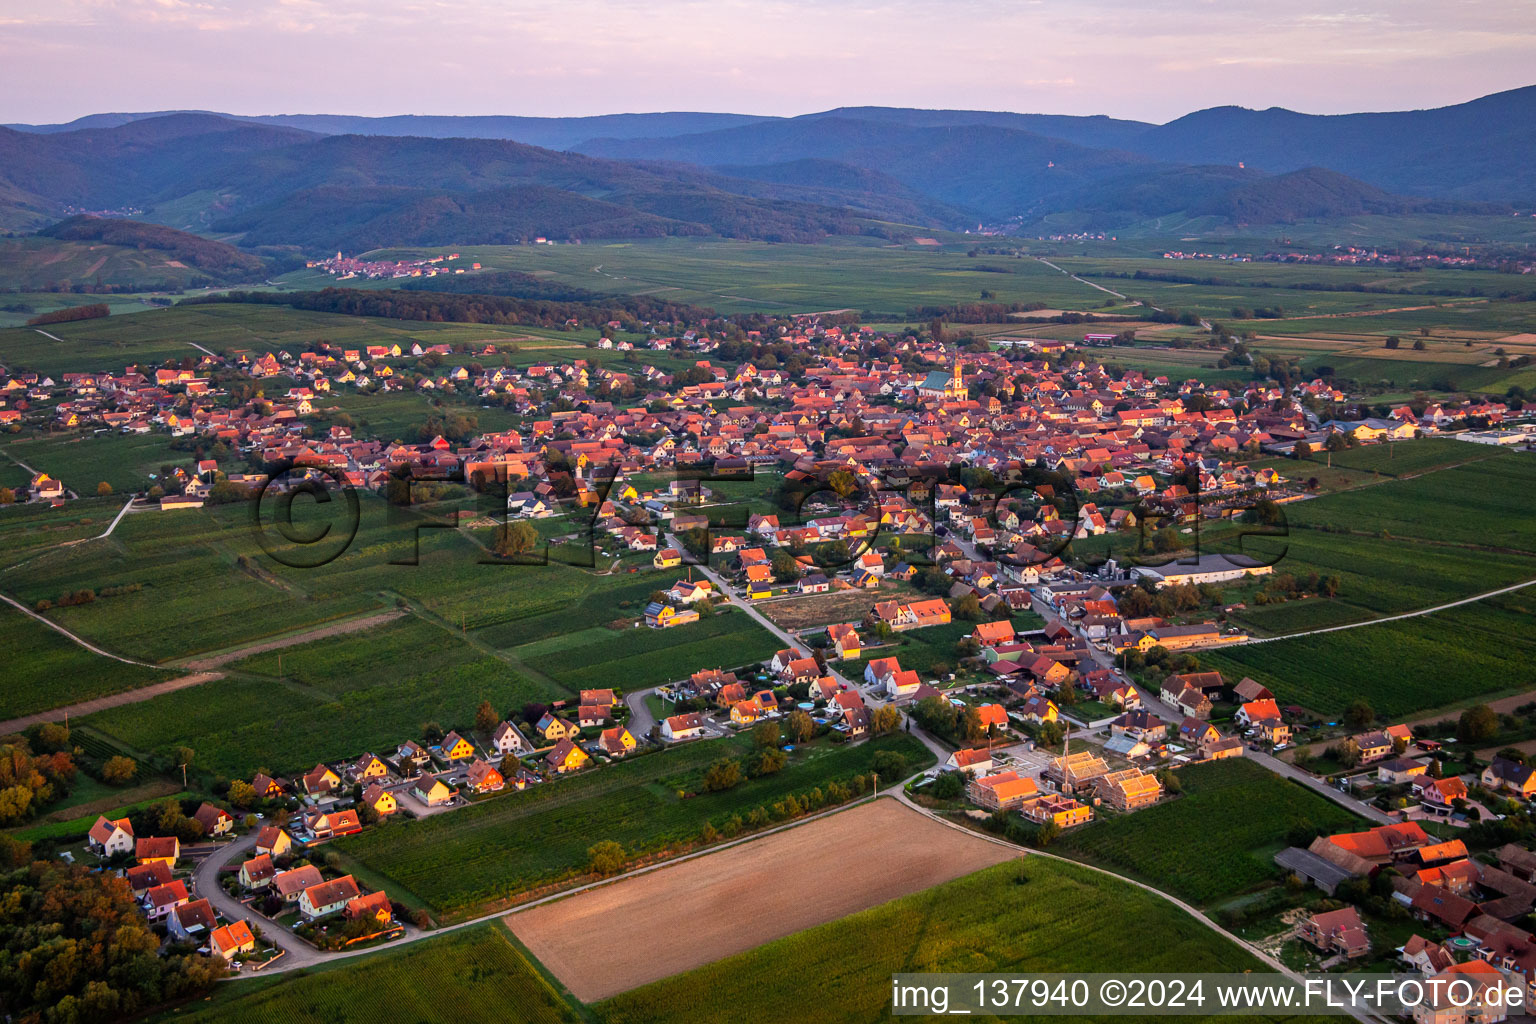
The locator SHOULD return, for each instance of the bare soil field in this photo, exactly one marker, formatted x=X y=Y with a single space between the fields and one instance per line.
x=796 y=613
x=621 y=936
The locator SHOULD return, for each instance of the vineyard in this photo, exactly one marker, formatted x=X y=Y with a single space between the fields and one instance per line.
x=337 y=697
x=1215 y=841
x=473 y=975
x=1034 y=914
x=494 y=850
x=37 y=658
x=1401 y=667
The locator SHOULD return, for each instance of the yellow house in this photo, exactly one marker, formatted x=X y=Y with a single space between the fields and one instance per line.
x=432 y=792
x=618 y=741
x=552 y=728
x=370 y=766
x=667 y=558
x=1061 y=811
x=381 y=800
x=628 y=493
x=567 y=757
x=743 y=712
x=456 y=747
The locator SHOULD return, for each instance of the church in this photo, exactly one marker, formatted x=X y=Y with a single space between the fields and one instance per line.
x=941 y=385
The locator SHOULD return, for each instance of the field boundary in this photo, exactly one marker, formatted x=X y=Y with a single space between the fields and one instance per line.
x=1390 y=618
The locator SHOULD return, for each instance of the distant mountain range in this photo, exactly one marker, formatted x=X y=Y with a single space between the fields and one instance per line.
x=321 y=182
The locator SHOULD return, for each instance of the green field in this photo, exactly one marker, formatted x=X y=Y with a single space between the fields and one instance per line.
x=731 y=275
x=45 y=669
x=28 y=263
x=1402 y=667
x=1033 y=915
x=1213 y=842
x=477 y=974
x=336 y=698
x=82 y=461
x=491 y=851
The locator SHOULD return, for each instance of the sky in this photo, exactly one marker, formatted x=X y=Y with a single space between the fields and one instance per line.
x=60 y=59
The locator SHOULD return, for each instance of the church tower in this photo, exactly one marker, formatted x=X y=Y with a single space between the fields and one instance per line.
x=957 y=382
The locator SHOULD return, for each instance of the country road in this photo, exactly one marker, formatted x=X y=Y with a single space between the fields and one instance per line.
x=111 y=700
x=61 y=630
x=1391 y=618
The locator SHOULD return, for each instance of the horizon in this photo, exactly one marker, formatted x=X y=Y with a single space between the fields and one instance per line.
x=211 y=111
x=1097 y=57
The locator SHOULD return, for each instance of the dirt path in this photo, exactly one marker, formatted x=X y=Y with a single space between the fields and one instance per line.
x=621 y=936
x=1392 y=618
x=60 y=629
x=112 y=700
x=334 y=629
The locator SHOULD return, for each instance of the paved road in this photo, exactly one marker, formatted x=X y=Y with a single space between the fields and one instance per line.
x=641 y=721
x=788 y=638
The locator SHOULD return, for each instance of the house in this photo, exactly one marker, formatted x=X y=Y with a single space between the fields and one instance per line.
x=146 y=876
x=1374 y=746
x=555 y=729
x=1262 y=717
x=1510 y=777
x=598 y=698
x=617 y=742
x=1437 y=795
x=165 y=849
x=289 y=885
x=215 y=820
x=381 y=800
x=1141 y=725
x=1336 y=932
x=267 y=788
x=592 y=716
x=327 y=897
x=978 y=762
x=375 y=907
x=456 y=748
x=1400 y=770
x=319 y=780
x=258 y=872
x=108 y=838
x=324 y=825
x=161 y=900
x=664 y=616
x=990 y=634
x=230 y=940
x=412 y=753
x=1189 y=699
x=192 y=920
x=1003 y=791
x=506 y=739
x=1474 y=992
x=272 y=839
x=482 y=778
x=1128 y=790
x=1056 y=809
x=683 y=727
x=432 y=791
x=566 y=757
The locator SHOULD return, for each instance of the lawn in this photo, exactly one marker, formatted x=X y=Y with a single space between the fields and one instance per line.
x=1033 y=915
x=1213 y=842
x=472 y=975
x=489 y=852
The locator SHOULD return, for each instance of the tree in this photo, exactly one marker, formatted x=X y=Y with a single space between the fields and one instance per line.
x=486 y=717
x=766 y=734
x=889 y=765
x=968 y=608
x=241 y=793
x=1392 y=341
x=722 y=775
x=185 y=756
x=1477 y=723
x=519 y=538
x=885 y=719
x=605 y=858
x=768 y=761
x=119 y=770
x=1347 y=753
x=801 y=726
x=1171 y=784
x=103 y=489
x=971 y=729
x=785 y=566
x=1046 y=833
x=1302 y=450
x=1359 y=714
x=1418 y=344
